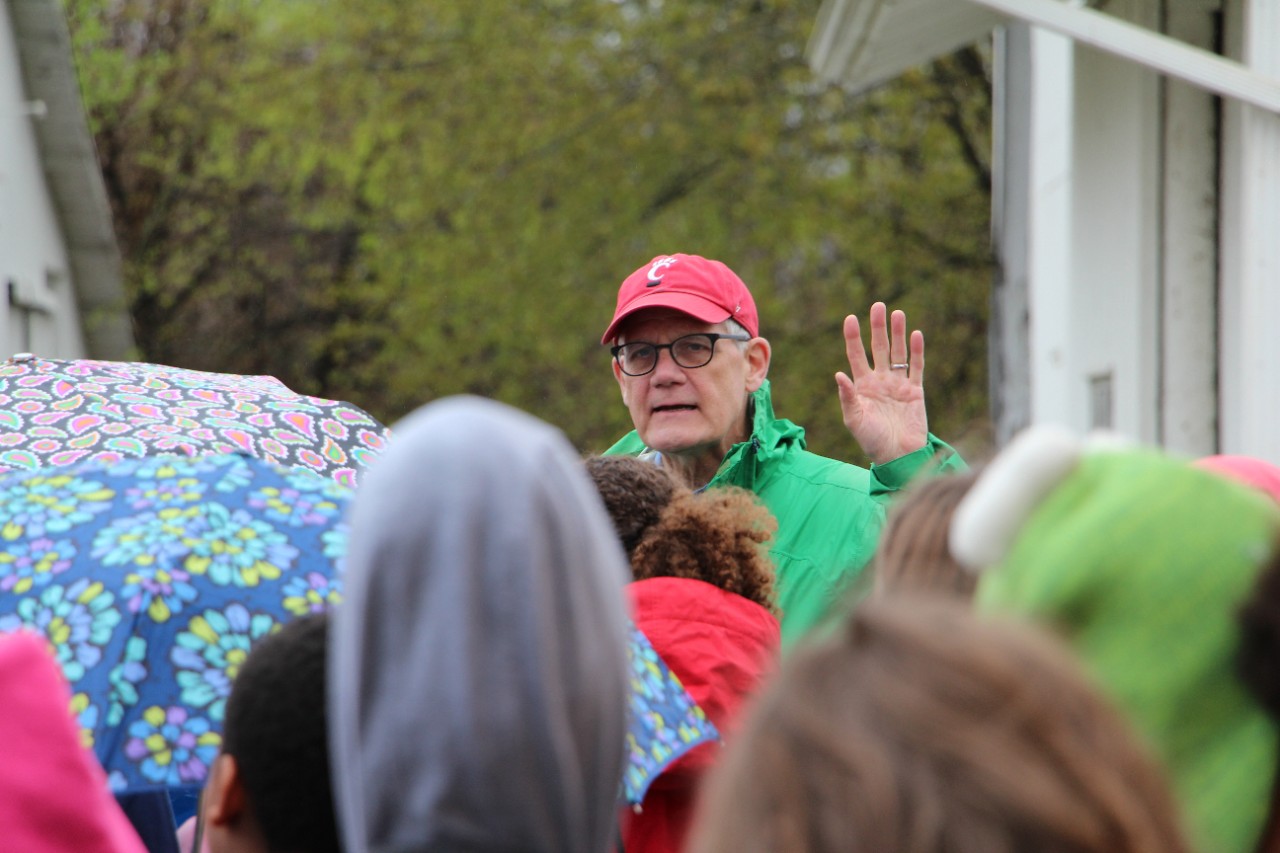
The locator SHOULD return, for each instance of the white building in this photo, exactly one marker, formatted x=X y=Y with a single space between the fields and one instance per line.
x=60 y=265
x=1136 y=204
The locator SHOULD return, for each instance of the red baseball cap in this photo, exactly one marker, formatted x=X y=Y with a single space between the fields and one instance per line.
x=704 y=289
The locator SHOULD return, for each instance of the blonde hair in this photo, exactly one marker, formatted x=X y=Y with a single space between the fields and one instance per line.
x=913 y=555
x=918 y=726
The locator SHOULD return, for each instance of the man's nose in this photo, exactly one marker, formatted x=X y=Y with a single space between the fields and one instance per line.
x=666 y=370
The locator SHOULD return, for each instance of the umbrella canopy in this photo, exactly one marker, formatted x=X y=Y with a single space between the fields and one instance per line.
x=665 y=722
x=152 y=579
x=55 y=412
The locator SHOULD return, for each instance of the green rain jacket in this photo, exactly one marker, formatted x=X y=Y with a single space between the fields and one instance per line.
x=829 y=513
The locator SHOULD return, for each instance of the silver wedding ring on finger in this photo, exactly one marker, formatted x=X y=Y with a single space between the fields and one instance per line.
x=899 y=366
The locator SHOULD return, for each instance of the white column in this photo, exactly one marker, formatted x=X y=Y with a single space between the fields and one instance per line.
x=1249 y=361
x=1114 y=242
x=1189 y=257
x=1049 y=238
x=1009 y=350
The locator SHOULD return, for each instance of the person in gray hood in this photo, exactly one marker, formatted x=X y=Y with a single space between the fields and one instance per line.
x=478 y=671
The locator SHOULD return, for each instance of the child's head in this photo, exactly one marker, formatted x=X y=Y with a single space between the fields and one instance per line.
x=913 y=555
x=919 y=725
x=719 y=536
x=269 y=788
x=635 y=492
x=1139 y=560
x=1252 y=471
x=478 y=670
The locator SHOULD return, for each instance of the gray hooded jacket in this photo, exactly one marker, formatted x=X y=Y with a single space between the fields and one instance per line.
x=478 y=687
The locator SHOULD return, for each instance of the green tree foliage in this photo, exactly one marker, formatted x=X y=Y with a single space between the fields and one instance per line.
x=397 y=200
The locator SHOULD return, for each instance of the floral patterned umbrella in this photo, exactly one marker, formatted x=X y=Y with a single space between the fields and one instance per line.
x=665 y=722
x=55 y=412
x=152 y=579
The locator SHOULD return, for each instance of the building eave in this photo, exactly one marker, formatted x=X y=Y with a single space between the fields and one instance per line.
x=864 y=42
x=73 y=175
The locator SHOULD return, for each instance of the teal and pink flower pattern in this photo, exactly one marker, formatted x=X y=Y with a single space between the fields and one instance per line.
x=86 y=717
x=78 y=620
x=50 y=504
x=209 y=653
x=313 y=593
x=55 y=412
x=124 y=678
x=152 y=579
x=171 y=747
x=230 y=545
x=34 y=563
x=664 y=721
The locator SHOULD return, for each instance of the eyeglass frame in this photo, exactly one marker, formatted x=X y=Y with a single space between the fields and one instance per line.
x=713 y=337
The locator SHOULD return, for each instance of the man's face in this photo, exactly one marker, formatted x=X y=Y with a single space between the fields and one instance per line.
x=690 y=411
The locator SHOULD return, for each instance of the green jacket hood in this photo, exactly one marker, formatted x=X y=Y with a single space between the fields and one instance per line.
x=775 y=434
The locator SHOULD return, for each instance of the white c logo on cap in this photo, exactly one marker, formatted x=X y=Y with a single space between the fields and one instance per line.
x=657 y=270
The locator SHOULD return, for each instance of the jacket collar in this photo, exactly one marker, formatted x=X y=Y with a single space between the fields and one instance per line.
x=771 y=437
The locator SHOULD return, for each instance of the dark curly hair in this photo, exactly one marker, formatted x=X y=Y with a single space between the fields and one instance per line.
x=276 y=729
x=719 y=536
x=634 y=491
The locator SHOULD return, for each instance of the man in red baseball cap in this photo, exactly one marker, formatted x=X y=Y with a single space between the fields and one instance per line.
x=692 y=367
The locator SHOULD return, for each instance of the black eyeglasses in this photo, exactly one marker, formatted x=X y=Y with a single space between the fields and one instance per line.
x=640 y=357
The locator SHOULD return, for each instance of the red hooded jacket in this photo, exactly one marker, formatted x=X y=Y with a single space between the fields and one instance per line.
x=721 y=646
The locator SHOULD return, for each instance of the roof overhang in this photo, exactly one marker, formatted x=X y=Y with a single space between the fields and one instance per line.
x=865 y=42
x=74 y=177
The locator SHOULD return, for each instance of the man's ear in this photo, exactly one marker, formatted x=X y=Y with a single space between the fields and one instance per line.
x=758 y=355
x=622 y=380
x=224 y=796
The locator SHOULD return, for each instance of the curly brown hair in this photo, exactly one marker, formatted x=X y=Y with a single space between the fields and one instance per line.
x=635 y=493
x=720 y=536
